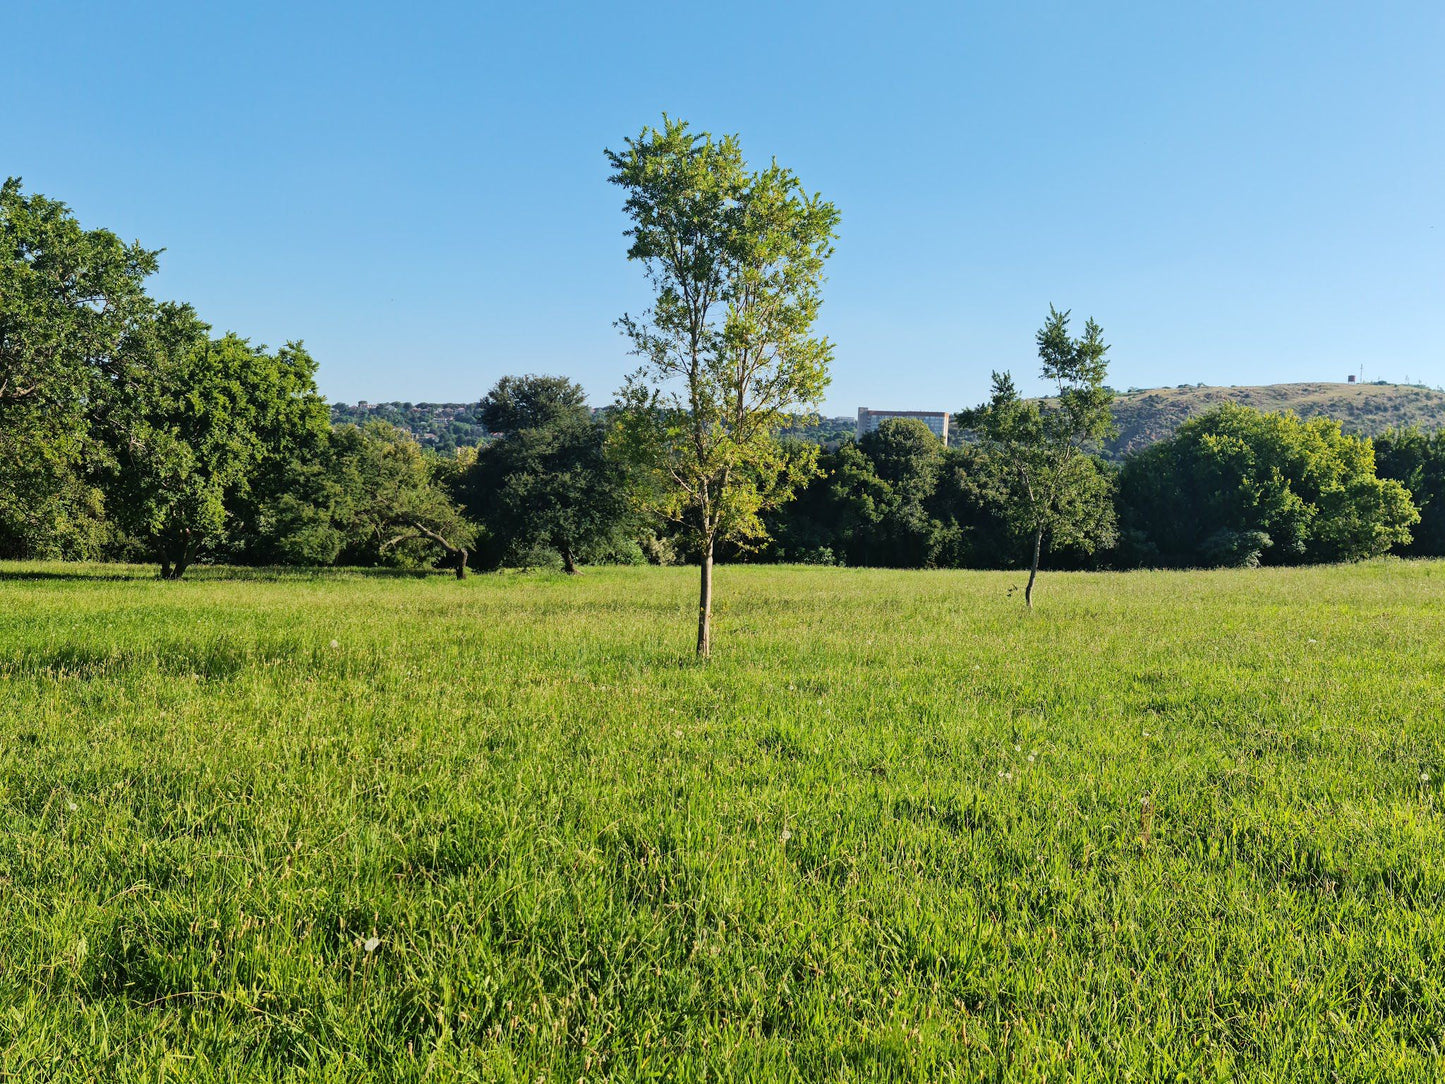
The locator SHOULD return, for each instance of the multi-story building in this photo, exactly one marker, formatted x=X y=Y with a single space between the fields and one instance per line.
x=936 y=420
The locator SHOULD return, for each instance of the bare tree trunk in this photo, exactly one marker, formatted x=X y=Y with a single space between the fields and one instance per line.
x=1034 y=570
x=462 y=562
x=569 y=564
x=165 y=565
x=704 y=605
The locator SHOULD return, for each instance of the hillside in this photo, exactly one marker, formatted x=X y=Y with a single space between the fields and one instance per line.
x=448 y=426
x=1143 y=416
x=1152 y=414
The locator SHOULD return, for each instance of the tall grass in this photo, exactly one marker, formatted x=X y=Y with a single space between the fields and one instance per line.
x=362 y=828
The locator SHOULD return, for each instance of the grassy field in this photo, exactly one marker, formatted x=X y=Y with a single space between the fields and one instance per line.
x=1171 y=826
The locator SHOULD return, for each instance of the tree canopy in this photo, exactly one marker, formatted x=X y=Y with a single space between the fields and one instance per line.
x=548 y=483
x=1300 y=491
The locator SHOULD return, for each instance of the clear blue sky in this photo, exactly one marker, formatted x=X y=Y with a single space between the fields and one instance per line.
x=1239 y=192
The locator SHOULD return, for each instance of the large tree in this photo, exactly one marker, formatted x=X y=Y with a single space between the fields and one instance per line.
x=367 y=495
x=196 y=420
x=69 y=298
x=1239 y=486
x=730 y=355
x=1417 y=461
x=547 y=481
x=1045 y=452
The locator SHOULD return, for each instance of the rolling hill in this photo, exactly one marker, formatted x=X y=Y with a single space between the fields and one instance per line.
x=1145 y=416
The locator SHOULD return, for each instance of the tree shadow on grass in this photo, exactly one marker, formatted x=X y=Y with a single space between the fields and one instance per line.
x=212 y=574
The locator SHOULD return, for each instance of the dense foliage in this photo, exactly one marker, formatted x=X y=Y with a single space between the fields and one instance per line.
x=1417 y=461
x=1240 y=487
x=129 y=429
x=547 y=485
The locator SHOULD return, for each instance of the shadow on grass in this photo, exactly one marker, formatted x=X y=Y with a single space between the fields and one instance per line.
x=210 y=573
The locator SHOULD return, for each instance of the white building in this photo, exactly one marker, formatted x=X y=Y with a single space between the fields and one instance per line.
x=936 y=420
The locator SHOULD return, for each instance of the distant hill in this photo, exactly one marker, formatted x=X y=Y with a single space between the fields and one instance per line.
x=1148 y=415
x=1142 y=415
x=446 y=427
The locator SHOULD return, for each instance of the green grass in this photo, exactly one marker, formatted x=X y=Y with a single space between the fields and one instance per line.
x=1169 y=826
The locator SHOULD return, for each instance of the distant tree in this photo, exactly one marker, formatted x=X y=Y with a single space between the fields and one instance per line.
x=1239 y=486
x=907 y=459
x=548 y=481
x=1050 y=479
x=736 y=259
x=532 y=402
x=69 y=297
x=366 y=495
x=835 y=516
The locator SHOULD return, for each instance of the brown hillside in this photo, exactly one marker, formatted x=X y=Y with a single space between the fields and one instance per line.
x=1144 y=417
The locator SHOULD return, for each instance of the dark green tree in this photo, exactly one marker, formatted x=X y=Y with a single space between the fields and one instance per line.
x=516 y=403
x=1049 y=477
x=1417 y=461
x=548 y=482
x=367 y=495
x=196 y=420
x=907 y=459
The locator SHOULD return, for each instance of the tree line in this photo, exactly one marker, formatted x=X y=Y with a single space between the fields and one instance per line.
x=129 y=429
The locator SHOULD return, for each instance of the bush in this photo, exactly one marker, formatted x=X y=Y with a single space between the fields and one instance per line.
x=1234 y=549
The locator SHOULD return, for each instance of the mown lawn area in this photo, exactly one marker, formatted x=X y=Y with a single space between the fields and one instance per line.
x=355 y=827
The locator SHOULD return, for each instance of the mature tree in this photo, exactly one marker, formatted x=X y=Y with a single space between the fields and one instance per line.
x=69 y=297
x=1051 y=480
x=736 y=259
x=406 y=499
x=366 y=495
x=907 y=458
x=1237 y=486
x=1417 y=461
x=548 y=481
x=516 y=403
x=835 y=517
x=195 y=420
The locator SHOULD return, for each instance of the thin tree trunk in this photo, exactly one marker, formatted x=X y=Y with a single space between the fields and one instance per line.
x=1034 y=569
x=462 y=562
x=704 y=605
x=569 y=564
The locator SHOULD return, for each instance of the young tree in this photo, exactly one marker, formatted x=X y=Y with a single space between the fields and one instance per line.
x=547 y=481
x=736 y=259
x=1049 y=478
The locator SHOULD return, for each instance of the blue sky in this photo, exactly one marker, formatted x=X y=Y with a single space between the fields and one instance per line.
x=1239 y=192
